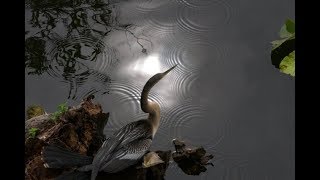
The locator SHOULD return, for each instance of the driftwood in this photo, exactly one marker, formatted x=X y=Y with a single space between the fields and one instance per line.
x=80 y=129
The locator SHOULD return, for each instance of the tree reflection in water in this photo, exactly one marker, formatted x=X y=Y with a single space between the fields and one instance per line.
x=66 y=35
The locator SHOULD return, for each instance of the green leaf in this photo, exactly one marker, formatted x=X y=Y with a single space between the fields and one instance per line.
x=283 y=50
x=290 y=26
x=287 y=65
x=33 y=132
x=62 y=107
x=288 y=29
x=55 y=115
x=277 y=43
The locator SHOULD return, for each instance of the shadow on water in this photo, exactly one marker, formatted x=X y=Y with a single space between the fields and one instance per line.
x=65 y=40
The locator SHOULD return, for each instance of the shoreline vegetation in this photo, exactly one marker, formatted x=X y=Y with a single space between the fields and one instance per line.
x=80 y=129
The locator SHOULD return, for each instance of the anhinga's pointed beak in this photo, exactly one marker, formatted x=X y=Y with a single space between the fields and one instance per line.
x=167 y=71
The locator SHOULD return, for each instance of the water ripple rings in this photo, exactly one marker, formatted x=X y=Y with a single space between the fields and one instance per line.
x=182 y=85
x=179 y=117
x=197 y=3
x=191 y=56
x=80 y=54
x=200 y=20
x=150 y=5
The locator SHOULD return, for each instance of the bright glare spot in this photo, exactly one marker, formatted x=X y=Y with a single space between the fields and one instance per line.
x=150 y=65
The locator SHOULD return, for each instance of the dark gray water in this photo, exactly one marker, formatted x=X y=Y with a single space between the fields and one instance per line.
x=224 y=94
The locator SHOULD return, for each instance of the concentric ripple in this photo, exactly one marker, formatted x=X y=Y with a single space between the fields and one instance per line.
x=150 y=5
x=152 y=16
x=224 y=126
x=191 y=122
x=126 y=93
x=108 y=60
x=176 y=119
x=192 y=56
x=196 y=3
x=157 y=25
x=90 y=91
x=182 y=84
x=187 y=37
x=201 y=19
x=76 y=60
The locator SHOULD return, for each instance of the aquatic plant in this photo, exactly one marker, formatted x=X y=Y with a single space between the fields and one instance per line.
x=283 y=50
x=33 y=132
x=62 y=108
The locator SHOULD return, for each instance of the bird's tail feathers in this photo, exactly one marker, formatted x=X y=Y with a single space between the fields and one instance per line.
x=58 y=157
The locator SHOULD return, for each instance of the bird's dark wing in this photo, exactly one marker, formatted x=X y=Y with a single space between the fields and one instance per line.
x=129 y=133
x=140 y=130
x=127 y=156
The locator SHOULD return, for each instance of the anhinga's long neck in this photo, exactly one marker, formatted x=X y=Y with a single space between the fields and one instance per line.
x=149 y=106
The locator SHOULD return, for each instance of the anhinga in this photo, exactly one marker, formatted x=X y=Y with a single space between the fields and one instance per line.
x=123 y=149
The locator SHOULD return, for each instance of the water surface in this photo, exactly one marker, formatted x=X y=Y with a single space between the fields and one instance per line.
x=224 y=94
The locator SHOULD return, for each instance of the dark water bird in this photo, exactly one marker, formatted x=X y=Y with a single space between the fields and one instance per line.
x=121 y=150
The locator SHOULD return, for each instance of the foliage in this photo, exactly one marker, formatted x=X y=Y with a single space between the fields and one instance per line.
x=288 y=29
x=62 y=108
x=283 y=50
x=287 y=65
x=33 y=132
